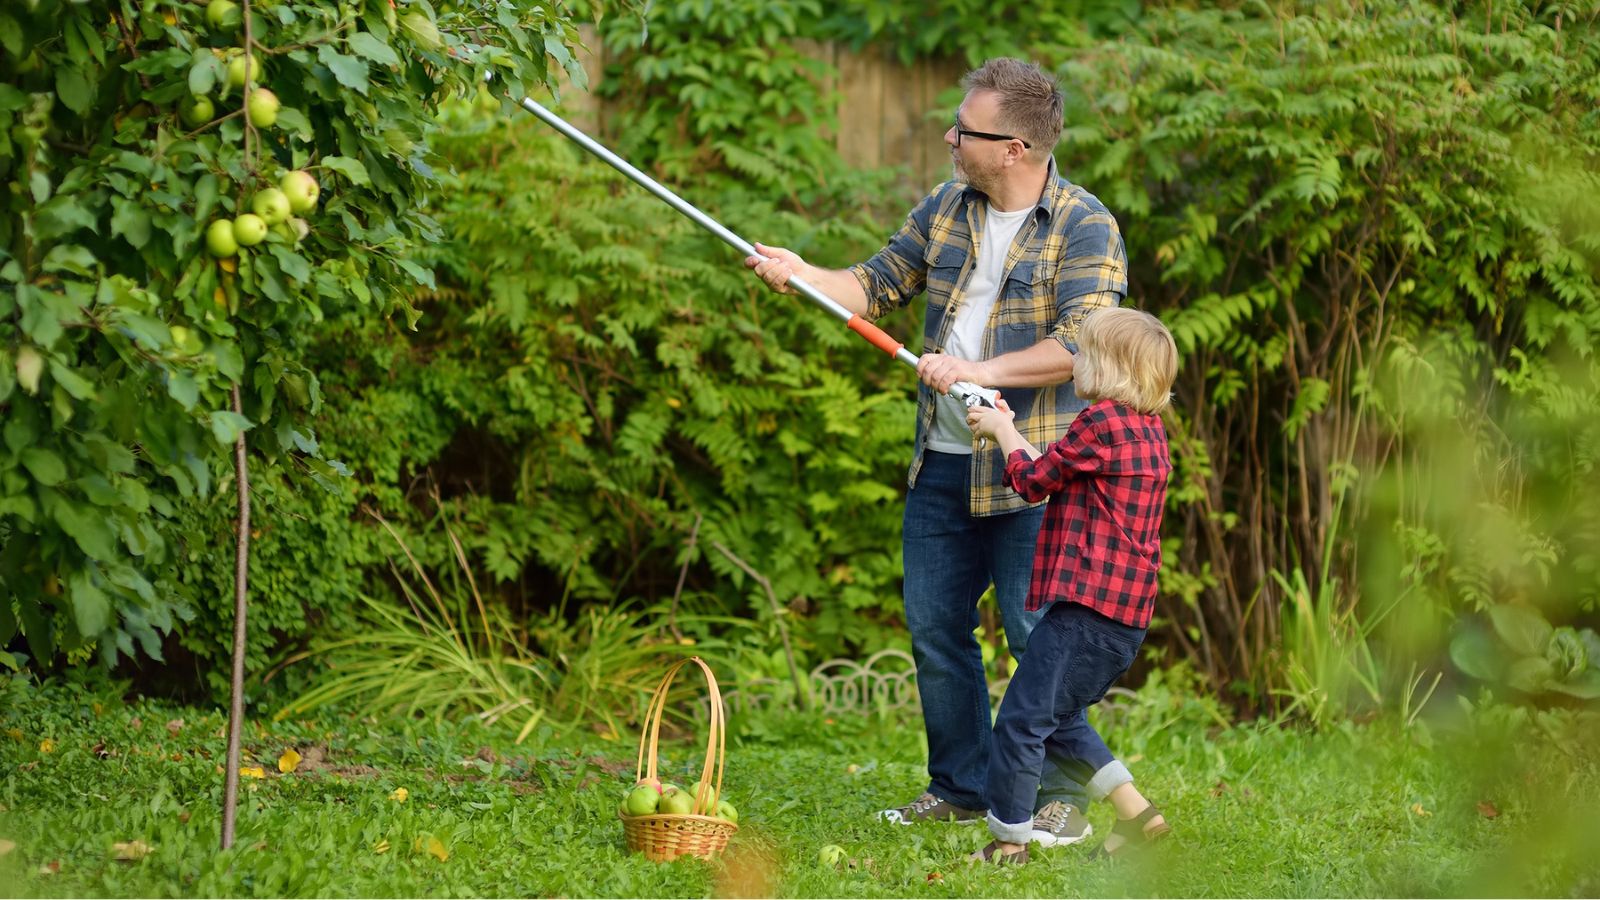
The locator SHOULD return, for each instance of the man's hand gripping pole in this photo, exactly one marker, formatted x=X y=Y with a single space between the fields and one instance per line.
x=970 y=394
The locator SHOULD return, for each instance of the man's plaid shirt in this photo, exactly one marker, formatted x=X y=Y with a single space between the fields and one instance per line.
x=1100 y=544
x=1068 y=259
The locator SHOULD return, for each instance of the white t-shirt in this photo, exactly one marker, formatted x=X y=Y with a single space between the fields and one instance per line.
x=950 y=433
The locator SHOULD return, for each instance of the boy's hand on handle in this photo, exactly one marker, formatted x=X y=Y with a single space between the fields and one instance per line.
x=990 y=423
x=777 y=268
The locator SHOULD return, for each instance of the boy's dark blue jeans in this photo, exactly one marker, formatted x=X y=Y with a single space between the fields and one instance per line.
x=1074 y=656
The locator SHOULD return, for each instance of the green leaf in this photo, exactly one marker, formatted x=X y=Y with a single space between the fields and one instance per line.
x=350 y=71
x=79 y=387
x=1523 y=629
x=91 y=608
x=349 y=168
x=227 y=426
x=74 y=90
x=205 y=73
x=87 y=527
x=45 y=466
x=181 y=387
x=11 y=36
x=367 y=44
x=130 y=220
x=69 y=258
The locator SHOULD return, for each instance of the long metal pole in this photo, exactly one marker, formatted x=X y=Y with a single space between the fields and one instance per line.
x=970 y=394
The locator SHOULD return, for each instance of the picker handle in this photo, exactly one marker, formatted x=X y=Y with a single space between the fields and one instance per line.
x=970 y=394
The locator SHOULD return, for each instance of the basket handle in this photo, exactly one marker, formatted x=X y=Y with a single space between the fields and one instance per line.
x=716 y=739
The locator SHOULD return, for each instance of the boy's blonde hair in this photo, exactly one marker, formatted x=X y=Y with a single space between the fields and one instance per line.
x=1133 y=358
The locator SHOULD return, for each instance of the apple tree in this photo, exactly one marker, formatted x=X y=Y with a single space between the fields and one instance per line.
x=189 y=190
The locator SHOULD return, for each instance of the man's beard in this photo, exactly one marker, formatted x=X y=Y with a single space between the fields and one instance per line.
x=979 y=180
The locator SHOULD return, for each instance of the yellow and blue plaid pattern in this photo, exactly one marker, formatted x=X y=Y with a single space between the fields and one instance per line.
x=1067 y=260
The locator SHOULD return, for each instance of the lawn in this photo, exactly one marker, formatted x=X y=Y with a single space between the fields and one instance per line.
x=1499 y=803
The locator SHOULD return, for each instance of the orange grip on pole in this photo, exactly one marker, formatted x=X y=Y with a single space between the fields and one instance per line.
x=875 y=336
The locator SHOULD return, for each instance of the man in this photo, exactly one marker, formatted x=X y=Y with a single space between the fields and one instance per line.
x=1011 y=257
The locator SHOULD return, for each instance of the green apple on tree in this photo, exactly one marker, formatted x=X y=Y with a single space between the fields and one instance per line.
x=196 y=111
x=272 y=205
x=30 y=365
x=302 y=191
x=224 y=15
x=220 y=239
x=263 y=108
x=249 y=230
x=242 y=67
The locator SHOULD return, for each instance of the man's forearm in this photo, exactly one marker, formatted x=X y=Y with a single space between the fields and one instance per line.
x=840 y=285
x=1044 y=364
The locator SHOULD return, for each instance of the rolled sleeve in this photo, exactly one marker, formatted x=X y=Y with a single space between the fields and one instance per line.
x=895 y=275
x=1093 y=273
x=1078 y=453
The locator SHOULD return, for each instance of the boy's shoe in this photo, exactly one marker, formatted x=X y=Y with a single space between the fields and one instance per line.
x=1057 y=824
x=930 y=808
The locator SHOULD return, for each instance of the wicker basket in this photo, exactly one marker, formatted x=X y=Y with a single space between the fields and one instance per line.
x=662 y=837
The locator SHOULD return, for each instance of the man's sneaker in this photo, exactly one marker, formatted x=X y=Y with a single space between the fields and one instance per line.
x=1058 y=824
x=929 y=808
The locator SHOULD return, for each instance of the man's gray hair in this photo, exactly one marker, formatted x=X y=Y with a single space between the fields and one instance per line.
x=1030 y=100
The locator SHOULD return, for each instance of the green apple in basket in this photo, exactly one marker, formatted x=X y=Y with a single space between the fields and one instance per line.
x=725 y=810
x=676 y=803
x=711 y=794
x=642 y=801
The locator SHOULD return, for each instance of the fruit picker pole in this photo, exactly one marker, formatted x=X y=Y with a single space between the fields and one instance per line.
x=970 y=394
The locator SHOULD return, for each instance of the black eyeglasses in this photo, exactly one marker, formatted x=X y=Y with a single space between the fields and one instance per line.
x=987 y=136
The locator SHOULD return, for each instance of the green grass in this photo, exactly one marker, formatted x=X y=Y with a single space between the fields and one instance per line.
x=1258 y=811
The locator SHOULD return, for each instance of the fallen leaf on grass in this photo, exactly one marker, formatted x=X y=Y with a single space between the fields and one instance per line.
x=935 y=877
x=1487 y=810
x=128 y=851
x=252 y=771
x=399 y=795
x=1220 y=788
x=174 y=726
x=7 y=846
x=432 y=846
x=15 y=734
x=381 y=847
x=289 y=761
x=52 y=867
x=135 y=723
x=47 y=746
x=1417 y=810
x=183 y=816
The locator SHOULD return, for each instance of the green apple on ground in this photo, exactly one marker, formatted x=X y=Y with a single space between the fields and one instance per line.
x=642 y=801
x=725 y=810
x=220 y=239
x=831 y=855
x=249 y=230
x=272 y=205
x=302 y=191
x=196 y=111
x=263 y=108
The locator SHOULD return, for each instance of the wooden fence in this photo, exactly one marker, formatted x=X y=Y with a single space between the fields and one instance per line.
x=890 y=115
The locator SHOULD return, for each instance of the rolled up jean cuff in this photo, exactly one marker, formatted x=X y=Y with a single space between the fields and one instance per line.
x=1111 y=776
x=1011 y=834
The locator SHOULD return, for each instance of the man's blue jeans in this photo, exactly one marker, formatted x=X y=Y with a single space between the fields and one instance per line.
x=1074 y=655
x=951 y=558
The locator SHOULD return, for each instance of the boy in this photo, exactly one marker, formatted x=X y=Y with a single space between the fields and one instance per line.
x=1094 y=565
